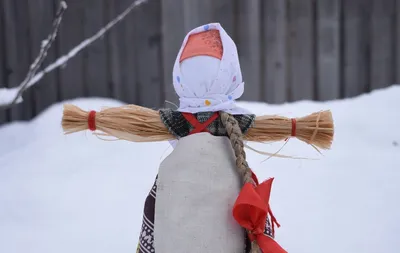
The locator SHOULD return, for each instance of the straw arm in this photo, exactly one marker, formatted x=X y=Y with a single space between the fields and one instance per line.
x=138 y=124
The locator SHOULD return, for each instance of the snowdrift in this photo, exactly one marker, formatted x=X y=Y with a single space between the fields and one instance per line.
x=81 y=194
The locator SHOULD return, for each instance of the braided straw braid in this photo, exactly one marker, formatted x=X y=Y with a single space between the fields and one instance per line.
x=236 y=137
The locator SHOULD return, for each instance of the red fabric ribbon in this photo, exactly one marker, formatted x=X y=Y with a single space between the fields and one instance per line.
x=251 y=210
x=92 y=121
x=254 y=177
x=199 y=127
x=294 y=127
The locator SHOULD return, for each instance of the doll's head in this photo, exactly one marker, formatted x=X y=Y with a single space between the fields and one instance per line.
x=207 y=75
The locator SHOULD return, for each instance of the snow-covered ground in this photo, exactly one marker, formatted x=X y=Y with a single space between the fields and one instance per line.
x=62 y=194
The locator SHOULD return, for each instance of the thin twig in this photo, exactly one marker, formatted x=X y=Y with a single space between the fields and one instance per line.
x=63 y=59
x=44 y=48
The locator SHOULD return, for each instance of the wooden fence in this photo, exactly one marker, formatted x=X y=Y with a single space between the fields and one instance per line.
x=289 y=49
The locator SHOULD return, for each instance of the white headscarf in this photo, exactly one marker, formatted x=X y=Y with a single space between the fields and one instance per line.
x=207 y=84
x=214 y=94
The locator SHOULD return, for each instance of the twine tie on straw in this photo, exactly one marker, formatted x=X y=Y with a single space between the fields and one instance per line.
x=293 y=134
x=293 y=127
x=92 y=120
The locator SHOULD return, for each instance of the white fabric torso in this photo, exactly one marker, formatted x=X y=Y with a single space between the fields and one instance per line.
x=196 y=189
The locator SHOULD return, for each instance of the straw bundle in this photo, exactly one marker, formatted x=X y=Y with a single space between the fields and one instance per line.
x=315 y=129
x=140 y=124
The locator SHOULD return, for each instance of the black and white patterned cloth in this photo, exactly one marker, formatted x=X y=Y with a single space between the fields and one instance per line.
x=146 y=237
x=180 y=127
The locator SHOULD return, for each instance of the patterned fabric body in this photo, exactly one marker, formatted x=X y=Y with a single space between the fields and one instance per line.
x=146 y=237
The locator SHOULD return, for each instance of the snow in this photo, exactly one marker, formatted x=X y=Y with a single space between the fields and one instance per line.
x=77 y=193
x=7 y=96
x=63 y=4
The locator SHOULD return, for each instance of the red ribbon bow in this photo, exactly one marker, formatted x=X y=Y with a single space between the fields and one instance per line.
x=251 y=211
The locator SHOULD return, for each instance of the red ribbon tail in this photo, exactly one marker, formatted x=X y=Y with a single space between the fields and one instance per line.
x=254 y=177
x=269 y=245
x=274 y=221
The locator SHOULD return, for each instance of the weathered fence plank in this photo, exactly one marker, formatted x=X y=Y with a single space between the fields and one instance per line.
x=382 y=43
x=116 y=61
x=355 y=62
x=18 y=53
x=25 y=59
x=274 y=54
x=397 y=31
x=148 y=47
x=224 y=13
x=196 y=13
x=3 y=70
x=72 y=75
x=122 y=54
x=131 y=87
x=328 y=60
x=41 y=15
x=95 y=64
x=173 y=31
x=248 y=43
x=301 y=52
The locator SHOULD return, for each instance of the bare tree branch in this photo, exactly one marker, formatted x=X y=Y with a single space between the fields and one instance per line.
x=45 y=46
x=63 y=59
